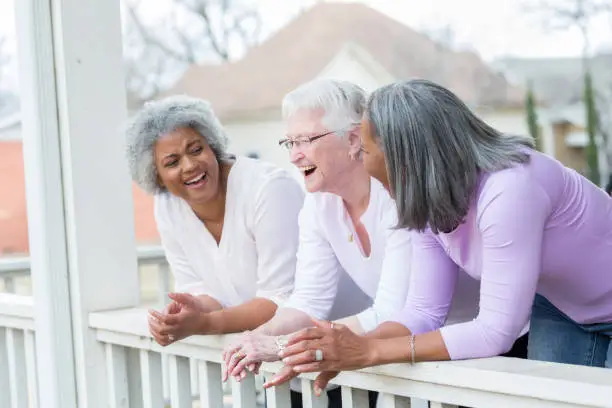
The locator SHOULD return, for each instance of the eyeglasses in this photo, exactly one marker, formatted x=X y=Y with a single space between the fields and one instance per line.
x=304 y=141
x=301 y=141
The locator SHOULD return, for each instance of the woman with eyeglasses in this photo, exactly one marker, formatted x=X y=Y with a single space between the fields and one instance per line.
x=348 y=247
x=536 y=234
x=228 y=225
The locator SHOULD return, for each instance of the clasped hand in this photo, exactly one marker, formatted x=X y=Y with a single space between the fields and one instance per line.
x=182 y=318
x=326 y=348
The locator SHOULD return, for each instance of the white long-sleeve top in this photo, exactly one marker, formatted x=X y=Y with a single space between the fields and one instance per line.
x=326 y=251
x=256 y=256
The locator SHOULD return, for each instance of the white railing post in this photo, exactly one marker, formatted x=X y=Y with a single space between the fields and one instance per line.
x=78 y=188
x=45 y=203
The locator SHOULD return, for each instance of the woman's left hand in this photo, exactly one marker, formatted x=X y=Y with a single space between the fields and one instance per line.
x=326 y=347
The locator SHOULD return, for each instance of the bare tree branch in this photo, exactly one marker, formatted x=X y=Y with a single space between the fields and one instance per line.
x=195 y=31
x=558 y=15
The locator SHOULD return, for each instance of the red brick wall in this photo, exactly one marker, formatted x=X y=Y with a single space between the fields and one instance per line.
x=13 y=217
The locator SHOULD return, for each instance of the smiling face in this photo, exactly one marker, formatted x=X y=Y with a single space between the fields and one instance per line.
x=373 y=156
x=186 y=166
x=324 y=162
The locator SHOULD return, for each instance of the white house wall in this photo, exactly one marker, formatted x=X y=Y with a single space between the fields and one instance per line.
x=515 y=122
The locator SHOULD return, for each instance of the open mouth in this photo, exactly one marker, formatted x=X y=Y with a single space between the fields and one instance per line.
x=197 y=181
x=308 y=170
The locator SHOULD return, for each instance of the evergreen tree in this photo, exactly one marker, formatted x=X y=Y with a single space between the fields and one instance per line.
x=591 y=128
x=532 y=118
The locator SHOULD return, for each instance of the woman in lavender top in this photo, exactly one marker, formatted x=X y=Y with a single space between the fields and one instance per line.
x=536 y=234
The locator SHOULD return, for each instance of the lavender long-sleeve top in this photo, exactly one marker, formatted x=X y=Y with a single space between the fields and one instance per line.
x=537 y=227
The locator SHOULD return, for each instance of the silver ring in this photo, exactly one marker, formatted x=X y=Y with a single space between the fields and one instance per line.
x=318 y=355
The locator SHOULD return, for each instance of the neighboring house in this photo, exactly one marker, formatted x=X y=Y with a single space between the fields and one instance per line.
x=13 y=211
x=558 y=83
x=345 y=41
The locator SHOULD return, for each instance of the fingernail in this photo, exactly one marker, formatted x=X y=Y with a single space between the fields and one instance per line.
x=243 y=375
x=317 y=391
x=281 y=354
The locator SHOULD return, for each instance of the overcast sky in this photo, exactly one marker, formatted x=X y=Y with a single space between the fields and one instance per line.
x=494 y=28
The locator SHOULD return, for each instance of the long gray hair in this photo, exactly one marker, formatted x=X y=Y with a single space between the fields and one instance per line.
x=435 y=149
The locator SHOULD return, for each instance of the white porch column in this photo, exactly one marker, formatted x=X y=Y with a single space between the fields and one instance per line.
x=79 y=194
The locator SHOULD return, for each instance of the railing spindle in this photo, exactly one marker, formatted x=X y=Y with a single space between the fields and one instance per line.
x=5 y=397
x=211 y=390
x=354 y=397
x=180 y=383
x=15 y=347
x=392 y=401
x=152 y=383
x=279 y=396
x=309 y=399
x=116 y=366
x=31 y=371
x=244 y=394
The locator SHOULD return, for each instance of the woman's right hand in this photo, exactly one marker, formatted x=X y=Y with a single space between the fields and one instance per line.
x=248 y=353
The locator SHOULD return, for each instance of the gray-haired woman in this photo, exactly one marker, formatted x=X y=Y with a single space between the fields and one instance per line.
x=537 y=235
x=228 y=225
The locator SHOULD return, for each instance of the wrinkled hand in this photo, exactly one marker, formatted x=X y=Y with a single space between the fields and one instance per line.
x=341 y=349
x=248 y=353
x=182 y=318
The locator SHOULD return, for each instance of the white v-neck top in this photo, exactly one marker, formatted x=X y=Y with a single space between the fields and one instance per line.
x=256 y=256
x=326 y=251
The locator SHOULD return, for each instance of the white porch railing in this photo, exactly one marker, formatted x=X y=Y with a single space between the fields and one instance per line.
x=154 y=271
x=135 y=372
x=494 y=382
x=18 y=385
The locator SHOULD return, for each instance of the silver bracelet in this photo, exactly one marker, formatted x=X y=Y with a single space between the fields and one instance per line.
x=412 y=357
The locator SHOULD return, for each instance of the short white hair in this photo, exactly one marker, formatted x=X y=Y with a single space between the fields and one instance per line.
x=342 y=101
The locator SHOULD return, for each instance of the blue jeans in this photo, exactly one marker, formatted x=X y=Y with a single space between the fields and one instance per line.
x=555 y=337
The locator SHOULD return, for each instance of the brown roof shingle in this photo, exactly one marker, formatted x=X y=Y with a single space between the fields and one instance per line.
x=300 y=50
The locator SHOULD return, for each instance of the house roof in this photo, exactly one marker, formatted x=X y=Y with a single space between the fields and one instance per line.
x=13 y=215
x=300 y=50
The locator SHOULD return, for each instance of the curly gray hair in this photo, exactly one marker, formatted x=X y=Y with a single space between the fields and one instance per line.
x=163 y=116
